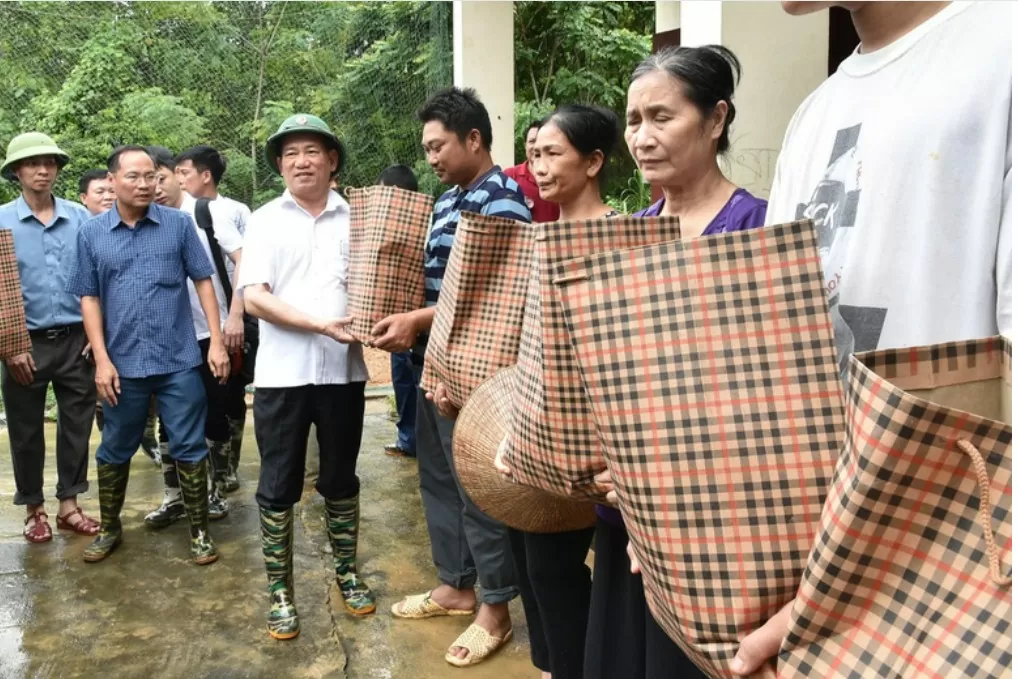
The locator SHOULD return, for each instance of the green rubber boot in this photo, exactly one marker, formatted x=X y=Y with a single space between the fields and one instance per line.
x=231 y=482
x=343 y=518
x=194 y=490
x=277 y=549
x=112 y=479
x=149 y=440
x=219 y=457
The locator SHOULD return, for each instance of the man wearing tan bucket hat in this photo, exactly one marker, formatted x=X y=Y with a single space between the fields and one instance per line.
x=45 y=230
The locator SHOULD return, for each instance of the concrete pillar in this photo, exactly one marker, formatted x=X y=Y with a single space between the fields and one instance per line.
x=482 y=34
x=667 y=15
x=784 y=58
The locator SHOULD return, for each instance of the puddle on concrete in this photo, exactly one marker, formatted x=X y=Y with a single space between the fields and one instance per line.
x=148 y=612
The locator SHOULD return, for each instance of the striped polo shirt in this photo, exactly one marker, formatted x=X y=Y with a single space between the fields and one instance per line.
x=492 y=194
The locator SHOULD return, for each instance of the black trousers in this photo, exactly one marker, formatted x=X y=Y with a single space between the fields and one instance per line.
x=236 y=406
x=217 y=424
x=554 y=583
x=623 y=639
x=283 y=419
x=57 y=361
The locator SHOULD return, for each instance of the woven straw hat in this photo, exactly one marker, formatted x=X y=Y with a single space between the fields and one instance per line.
x=482 y=425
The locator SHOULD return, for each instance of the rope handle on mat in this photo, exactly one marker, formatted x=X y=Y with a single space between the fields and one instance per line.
x=992 y=550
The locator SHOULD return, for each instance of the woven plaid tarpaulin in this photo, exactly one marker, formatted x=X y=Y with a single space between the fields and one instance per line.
x=712 y=373
x=14 y=339
x=553 y=443
x=910 y=574
x=388 y=230
x=476 y=330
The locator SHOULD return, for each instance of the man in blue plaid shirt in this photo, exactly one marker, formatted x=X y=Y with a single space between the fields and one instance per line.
x=131 y=268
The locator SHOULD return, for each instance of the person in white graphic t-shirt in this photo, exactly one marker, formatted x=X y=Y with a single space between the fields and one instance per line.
x=903 y=157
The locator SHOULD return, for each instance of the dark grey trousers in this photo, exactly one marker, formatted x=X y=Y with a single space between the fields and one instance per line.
x=466 y=544
x=57 y=361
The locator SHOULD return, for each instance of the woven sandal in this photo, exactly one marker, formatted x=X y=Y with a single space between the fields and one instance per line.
x=479 y=644
x=421 y=606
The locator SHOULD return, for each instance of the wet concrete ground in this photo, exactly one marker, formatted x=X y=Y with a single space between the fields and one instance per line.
x=148 y=612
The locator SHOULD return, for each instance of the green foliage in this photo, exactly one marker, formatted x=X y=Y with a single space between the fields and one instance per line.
x=98 y=74
x=526 y=112
x=634 y=196
x=95 y=75
x=580 y=53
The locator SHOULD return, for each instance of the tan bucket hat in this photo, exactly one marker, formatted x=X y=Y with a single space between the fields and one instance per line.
x=29 y=145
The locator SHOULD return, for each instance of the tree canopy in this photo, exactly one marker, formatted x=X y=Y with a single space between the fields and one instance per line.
x=98 y=74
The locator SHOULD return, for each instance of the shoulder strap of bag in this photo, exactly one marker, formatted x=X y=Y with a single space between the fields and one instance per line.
x=203 y=215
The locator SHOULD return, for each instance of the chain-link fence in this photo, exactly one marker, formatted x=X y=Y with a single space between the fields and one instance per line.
x=99 y=74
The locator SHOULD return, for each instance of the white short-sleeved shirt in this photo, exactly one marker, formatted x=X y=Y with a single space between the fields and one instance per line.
x=304 y=260
x=903 y=160
x=225 y=209
x=229 y=242
x=232 y=210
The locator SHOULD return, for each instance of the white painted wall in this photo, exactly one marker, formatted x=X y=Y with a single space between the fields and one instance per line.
x=483 y=59
x=784 y=58
x=701 y=22
x=667 y=15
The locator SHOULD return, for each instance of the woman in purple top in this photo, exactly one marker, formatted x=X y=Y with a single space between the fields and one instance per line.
x=678 y=116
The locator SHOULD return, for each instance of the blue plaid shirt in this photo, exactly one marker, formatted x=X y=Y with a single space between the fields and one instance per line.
x=492 y=194
x=139 y=276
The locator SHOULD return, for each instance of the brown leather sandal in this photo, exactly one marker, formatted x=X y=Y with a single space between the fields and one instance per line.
x=40 y=530
x=85 y=526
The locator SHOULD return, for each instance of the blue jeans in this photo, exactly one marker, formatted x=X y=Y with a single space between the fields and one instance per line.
x=404 y=386
x=181 y=403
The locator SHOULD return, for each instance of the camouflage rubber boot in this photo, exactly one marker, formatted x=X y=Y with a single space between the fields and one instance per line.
x=219 y=456
x=149 y=442
x=172 y=508
x=194 y=488
x=230 y=481
x=112 y=479
x=342 y=518
x=277 y=549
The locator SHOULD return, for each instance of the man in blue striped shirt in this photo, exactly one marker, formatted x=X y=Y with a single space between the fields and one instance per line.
x=132 y=263
x=467 y=546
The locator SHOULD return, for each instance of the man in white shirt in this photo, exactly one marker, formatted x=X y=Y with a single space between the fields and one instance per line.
x=903 y=159
x=217 y=426
x=309 y=370
x=200 y=169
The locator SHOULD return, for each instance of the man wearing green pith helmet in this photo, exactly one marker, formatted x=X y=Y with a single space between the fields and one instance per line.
x=309 y=370
x=45 y=230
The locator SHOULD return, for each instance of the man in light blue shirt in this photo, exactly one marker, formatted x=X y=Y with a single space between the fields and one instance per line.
x=45 y=232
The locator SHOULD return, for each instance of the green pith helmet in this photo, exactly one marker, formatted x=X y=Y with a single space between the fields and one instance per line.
x=28 y=145
x=302 y=122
